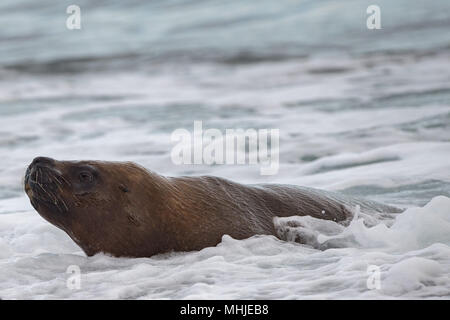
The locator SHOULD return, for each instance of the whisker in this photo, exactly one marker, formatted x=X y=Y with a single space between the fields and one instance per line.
x=64 y=179
x=56 y=179
x=64 y=203
x=48 y=187
x=49 y=195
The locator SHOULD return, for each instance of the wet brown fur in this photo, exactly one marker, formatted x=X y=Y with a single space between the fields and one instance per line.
x=133 y=212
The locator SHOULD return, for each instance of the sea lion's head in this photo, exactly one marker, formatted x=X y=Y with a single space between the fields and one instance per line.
x=103 y=206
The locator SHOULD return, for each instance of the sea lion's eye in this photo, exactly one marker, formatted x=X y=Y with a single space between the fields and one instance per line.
x=85 y=177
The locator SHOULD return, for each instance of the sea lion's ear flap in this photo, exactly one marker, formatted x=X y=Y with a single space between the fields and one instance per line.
x=123 y=188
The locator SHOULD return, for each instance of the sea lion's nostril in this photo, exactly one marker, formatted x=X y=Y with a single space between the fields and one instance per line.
x=42 y=161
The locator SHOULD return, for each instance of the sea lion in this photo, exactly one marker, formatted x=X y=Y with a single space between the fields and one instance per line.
x=122 y=209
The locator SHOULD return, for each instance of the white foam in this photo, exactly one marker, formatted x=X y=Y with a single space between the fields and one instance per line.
x=413 y=256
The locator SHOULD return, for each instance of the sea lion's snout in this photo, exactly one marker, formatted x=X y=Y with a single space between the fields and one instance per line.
x=42 y=183
x=42 y=161
x=37 y=166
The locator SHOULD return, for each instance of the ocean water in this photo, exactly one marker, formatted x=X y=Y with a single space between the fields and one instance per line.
x=363 y=112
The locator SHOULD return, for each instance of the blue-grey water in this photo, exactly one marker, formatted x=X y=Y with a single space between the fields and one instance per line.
x=364 y=112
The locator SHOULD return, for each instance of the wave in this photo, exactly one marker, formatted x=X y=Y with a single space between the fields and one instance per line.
x=231 y=32
x=414 y=229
